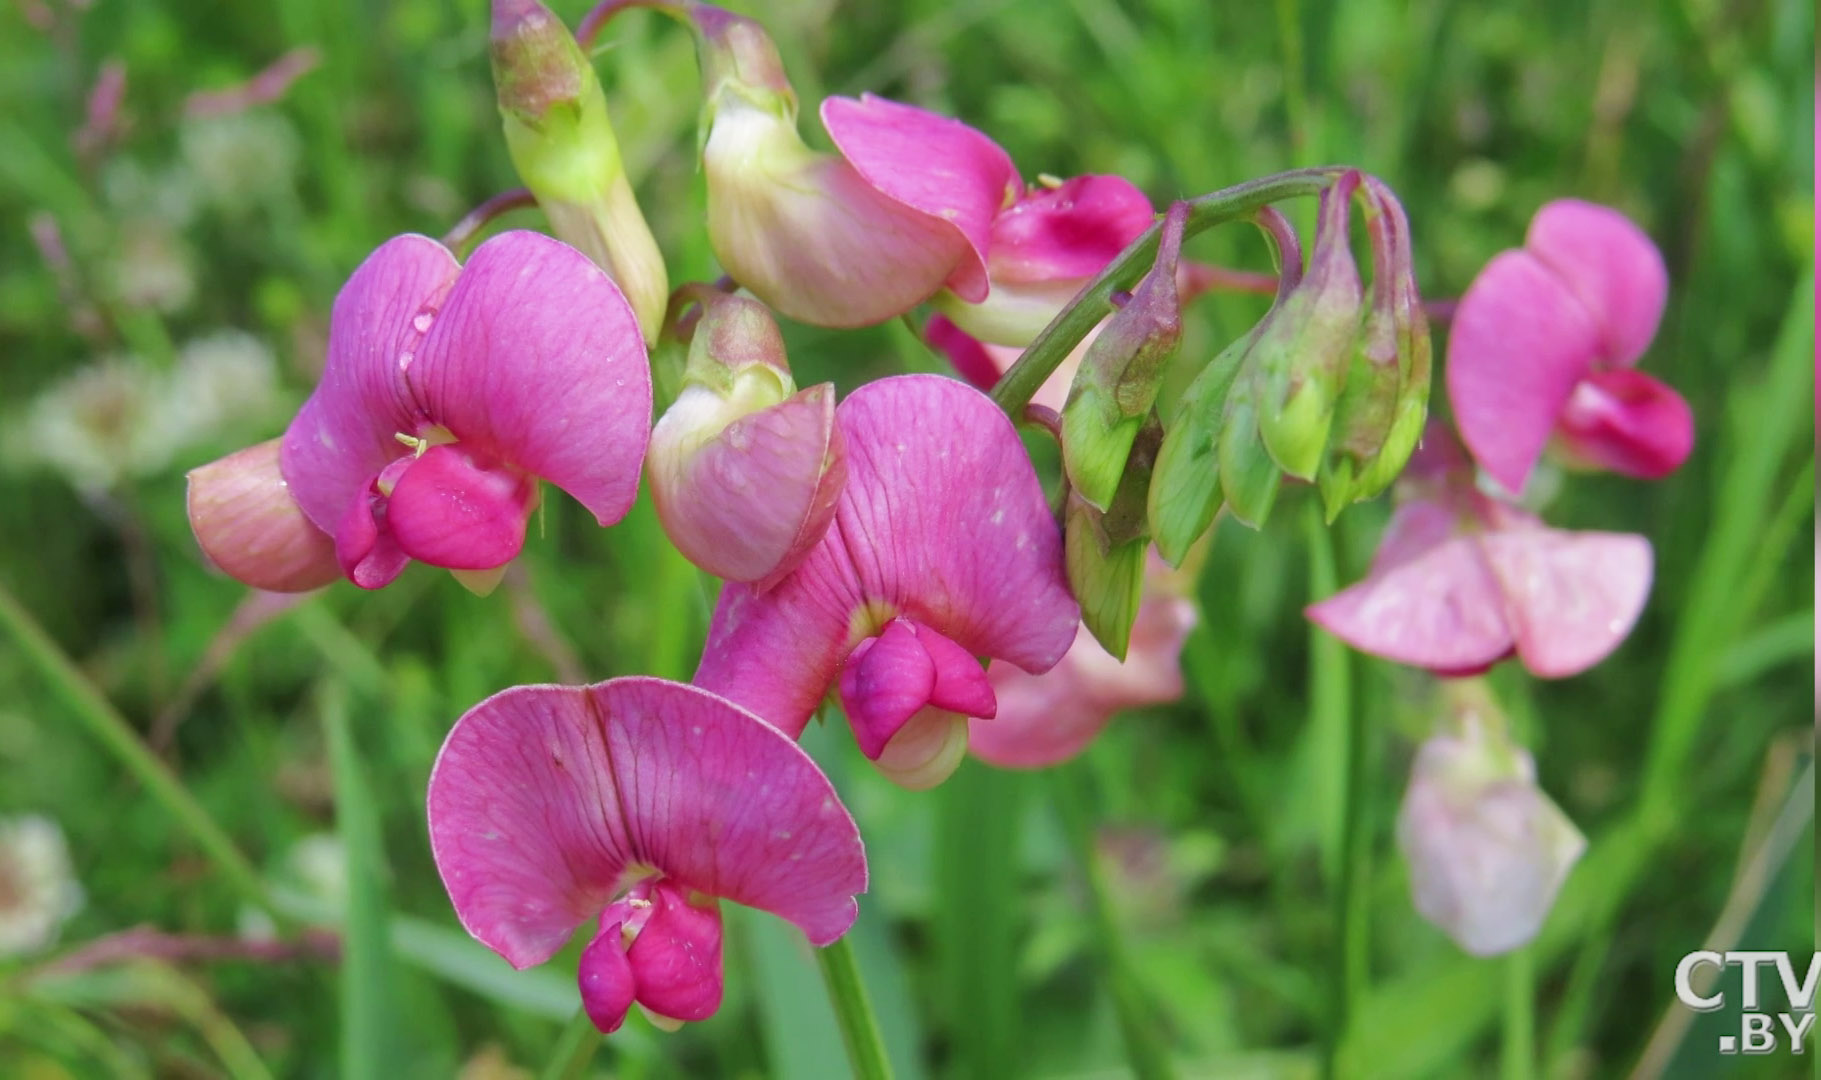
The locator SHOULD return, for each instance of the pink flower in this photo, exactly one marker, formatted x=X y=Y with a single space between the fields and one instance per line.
x=942 y=549
x=1049 y=718
x=635 y=802
x=1487 y=848
x=1462 y=580
x=448 y=394
x=1545 y=340
x=1043 y=248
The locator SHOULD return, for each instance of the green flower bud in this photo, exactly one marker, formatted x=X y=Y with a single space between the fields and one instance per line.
x=563 y=146
x=1118 y=381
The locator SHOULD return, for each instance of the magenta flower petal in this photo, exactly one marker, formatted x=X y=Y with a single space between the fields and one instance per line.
x=961 y=684
x=1611 y=266
x=1519 y=343
x=975 y=361
x=605 y=977
x=546 y=801
x=1441 y=610
x=676 y=958
x=247 y=523
x=1625 y=421
x=942 y=521
x=1572 y=597
x=931 y=163
x=364 y=544
x=883 y=684
x=345 y=433
x=537 y=359
x=456 y=508
x=1070 y=231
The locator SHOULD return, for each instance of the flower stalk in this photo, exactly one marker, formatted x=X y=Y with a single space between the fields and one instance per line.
x=853 y=1011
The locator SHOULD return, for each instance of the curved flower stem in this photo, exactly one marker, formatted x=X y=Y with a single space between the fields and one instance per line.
x=463 y=232
x=80 y=697
x=1094 y=301
x=853 y=1011
x=592 y=23
x=1144 y=1045
x=1518 y=1052
x=575 y=1047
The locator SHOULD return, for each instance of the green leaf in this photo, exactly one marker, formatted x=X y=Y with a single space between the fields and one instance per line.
x=367 y=1024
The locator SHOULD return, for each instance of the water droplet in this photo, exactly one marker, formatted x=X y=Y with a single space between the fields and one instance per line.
x=404 y=360
x=421 y=323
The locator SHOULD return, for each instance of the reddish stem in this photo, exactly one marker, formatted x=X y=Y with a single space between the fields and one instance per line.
x=463 y=233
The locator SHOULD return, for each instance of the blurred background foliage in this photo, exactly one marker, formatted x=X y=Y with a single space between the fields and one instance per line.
x=185 y=315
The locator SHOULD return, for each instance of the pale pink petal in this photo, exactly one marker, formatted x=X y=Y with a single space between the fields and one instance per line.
x=1416 y=528
x=544 y=796
x=883 y=684
x=750 y=503
x=1611 y=265
x=1572 y=597
x=537 y=359
x=1519 y=343
x=1441 y=610
x=345 y=433
x=457 y=508
x=931 y=163
x=247 y=523
x=1628 y=422
x=1070 y=231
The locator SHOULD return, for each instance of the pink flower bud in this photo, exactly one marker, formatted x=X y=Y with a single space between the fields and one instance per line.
x=1487 y=849
x=744 y=472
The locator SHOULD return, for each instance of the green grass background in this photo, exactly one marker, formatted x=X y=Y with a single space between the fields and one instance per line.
x=1219 y=824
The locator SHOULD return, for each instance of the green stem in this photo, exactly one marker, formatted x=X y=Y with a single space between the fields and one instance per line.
x=1091 y=304
x=575 y=1047
x=853 y=1011
x=1519 y=1049
x=112 y=729
x=1145 y=1050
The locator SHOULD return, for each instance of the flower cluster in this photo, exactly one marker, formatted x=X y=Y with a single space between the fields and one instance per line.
x=893 y=550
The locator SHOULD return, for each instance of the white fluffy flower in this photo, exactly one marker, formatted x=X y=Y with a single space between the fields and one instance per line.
x=38 y=890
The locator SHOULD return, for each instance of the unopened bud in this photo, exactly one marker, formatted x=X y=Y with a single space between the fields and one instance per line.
x=745 y=470
x=1381 y=412
x=1303 y=355
x=563 y=146
x=1185 y=483
x=1119 y=376
x=1104 y=552
x=1488 y=850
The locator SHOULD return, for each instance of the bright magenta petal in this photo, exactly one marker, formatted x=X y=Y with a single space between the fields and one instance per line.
x=1441 y=610
x=537 y=359
x=883 y=684
x=545 y=796
x=1070 y=231
x=1519 y=343
x=1611 y=265
x=605 y=977
x=455 y=508
x=1628 y=422
x=676 y=959
x=1572 y=596
x=931 y=163
x=976 y=361
x=345 y=433
x=961 y=684
x=364 y=545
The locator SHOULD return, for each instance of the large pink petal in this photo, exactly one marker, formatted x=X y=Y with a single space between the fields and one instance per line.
x=883 y=684
x=944 y=519
x=545 y=796
x=1572 y=596
x=456 y=508
x=1442 y=610
x=344 y=433
x=1070 y=231
x=537 y=358
x=1628 y=422
x=931 y=163
x=1611 y=265
x=1519 y=343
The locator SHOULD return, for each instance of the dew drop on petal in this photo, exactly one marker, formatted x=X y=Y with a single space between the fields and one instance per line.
x=421 y=322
